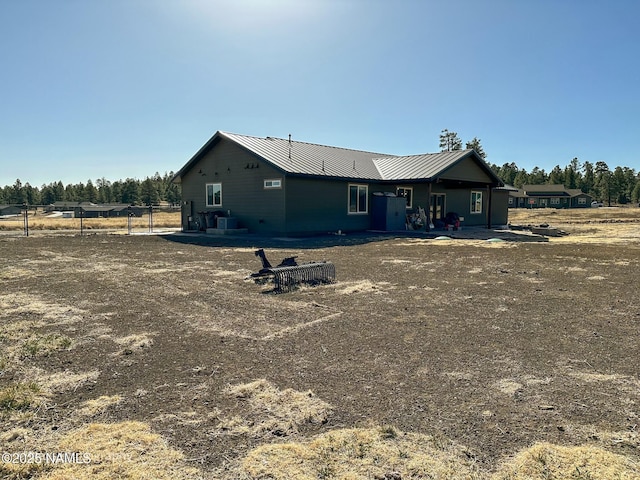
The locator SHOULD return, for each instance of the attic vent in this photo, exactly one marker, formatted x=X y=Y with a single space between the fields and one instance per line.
x=270 y=138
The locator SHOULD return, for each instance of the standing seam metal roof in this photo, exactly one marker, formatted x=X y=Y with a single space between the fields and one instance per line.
x=301 y=158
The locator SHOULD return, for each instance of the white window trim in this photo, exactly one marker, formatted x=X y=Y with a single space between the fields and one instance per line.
x=366 y=189
x=206 y=192
x=410 y=204
x=473 y=203
x=271 y=183
x=555 y=201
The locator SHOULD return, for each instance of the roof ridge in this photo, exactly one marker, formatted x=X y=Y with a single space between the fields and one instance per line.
x=385 y=155
x=465 y=151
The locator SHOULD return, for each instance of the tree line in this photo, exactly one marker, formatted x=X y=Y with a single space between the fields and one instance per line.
x=150 y=191
x=620 y=185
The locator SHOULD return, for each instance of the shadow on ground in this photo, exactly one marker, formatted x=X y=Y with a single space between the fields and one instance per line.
x=351 y=239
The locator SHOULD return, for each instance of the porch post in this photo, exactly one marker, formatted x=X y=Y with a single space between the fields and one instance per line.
x=489 y=206
x=428 y=209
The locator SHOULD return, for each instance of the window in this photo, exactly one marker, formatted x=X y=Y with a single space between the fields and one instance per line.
x=476 y=202
x=214 y=194
x=273 y=183
x=407 y=193
x=555 y=201
x=582 y=201
x=358 y=198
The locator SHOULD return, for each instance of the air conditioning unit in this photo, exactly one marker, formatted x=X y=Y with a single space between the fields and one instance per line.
x=227 y=223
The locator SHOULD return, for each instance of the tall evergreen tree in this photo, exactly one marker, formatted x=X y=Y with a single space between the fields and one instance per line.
x=130 y=191
x=475 y=145
x=90 y=192
x=587 y=185
x=571 y=173
x=603 y=181
x=18 y=194
x=556 y=176
x=149 y=192
x=449 y=141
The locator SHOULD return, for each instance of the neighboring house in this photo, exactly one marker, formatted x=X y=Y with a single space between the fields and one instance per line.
x=92 y=210
x=10 y=210
x=62 y=206
x=277 y=186
x=549 y=196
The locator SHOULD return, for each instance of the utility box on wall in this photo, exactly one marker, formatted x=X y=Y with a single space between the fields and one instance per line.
x=389 y=212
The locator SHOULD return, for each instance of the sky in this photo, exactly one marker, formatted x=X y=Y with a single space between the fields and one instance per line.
x=121 y=89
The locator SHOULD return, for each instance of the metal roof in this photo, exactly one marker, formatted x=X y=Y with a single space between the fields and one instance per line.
x=308 y=159
x=311 y=159
x=418 y=167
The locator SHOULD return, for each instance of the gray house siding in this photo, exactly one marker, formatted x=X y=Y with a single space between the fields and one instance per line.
x=241 y=175
x=311 y=189
x=318 y=205
x=466 y=171
x=500 y=207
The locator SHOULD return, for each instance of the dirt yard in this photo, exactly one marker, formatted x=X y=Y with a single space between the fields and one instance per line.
x=154 y=356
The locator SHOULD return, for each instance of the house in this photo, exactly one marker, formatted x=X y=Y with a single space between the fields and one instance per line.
x=279 y=186
x=549 y=196
x=92 y=210
x=10 y=210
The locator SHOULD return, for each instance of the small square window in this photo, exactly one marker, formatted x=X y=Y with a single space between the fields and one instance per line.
x=273 y=183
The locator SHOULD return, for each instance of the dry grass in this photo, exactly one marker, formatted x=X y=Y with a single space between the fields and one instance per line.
x=370 y=453
x=133 y=343
x=122 y=450
x=98 y=405
x=547 y=461
x=386 y=453
x=585 y=225
x=45 y=222
x=267 y=409
x=51 y=383
x=18 y=396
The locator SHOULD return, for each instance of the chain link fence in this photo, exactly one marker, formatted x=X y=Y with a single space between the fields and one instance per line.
x=26 y=220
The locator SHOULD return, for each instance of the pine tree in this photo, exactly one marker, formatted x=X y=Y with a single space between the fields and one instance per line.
x=475 y=145
x=449 y=141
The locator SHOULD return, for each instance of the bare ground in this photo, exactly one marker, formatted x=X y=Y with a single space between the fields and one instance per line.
x=492 y=346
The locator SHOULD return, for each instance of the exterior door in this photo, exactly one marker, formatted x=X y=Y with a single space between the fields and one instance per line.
x=438 y=210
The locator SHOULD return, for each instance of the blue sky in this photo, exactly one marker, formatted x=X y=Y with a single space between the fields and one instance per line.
x=127 y=88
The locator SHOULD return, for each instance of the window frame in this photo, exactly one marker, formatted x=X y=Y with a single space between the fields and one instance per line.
x=272 y=186
x=213 y=194
x=360 y=187
x=406 y=189
x=476 y=196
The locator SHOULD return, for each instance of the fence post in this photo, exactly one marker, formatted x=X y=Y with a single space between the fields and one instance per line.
x=25 y=219
x=81 y=213
x=150 y=218
x=129 y=219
